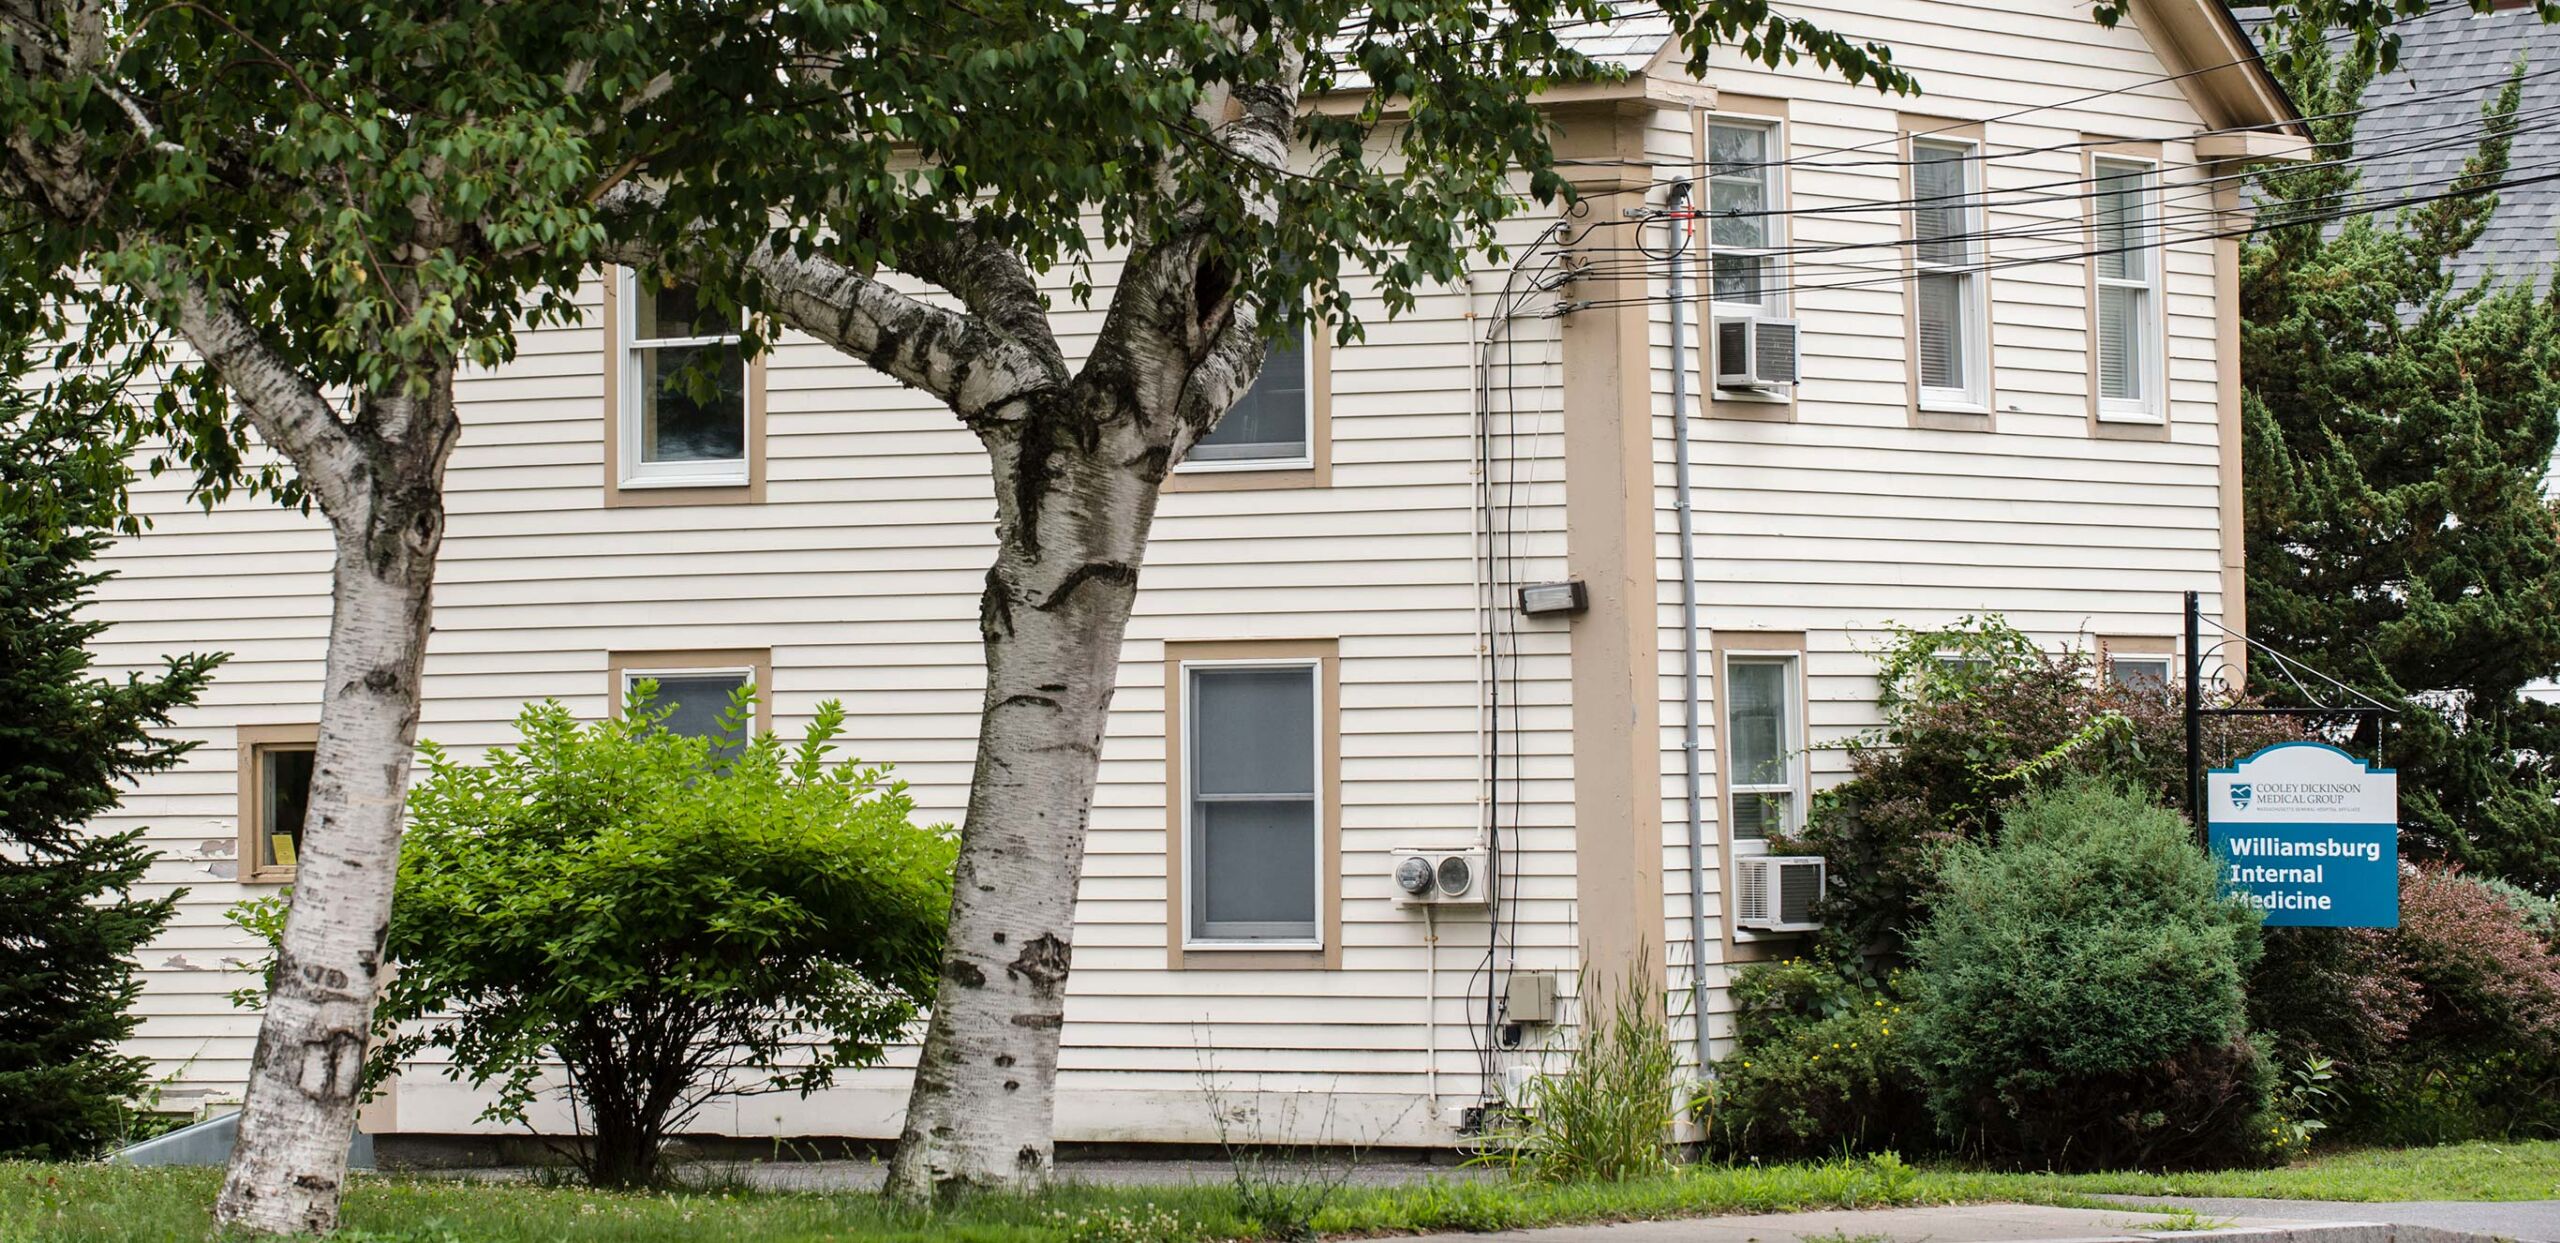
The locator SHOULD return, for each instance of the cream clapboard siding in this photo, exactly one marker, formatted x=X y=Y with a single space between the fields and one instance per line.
x=1849 y=520
x=862 y=574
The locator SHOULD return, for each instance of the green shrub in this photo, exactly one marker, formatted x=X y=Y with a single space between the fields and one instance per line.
x=1965 y=737
x=2483 y=1049
x=1605 y=1115
x=2077 y=997
x=1821 y=1065
x=670 y=920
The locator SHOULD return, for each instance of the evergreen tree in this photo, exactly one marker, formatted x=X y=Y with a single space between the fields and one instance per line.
x=2399 y=427
x=69 y=921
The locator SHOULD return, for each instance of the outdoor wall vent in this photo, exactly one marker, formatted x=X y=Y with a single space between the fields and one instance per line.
x=1776 y=893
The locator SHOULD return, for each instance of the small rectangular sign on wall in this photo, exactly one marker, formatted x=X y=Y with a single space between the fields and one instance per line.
x=2309 y=835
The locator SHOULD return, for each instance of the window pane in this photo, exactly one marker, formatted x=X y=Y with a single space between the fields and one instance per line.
x=284 y=778
x=1739 y=278
x=1253 y=869
x=1757 y=815
x=1253 y=731
x=1941 y=297
x=1757 y=715
x=698 y=700
x=1739 y=205
x=673 y=314
x=677 y=426
x=1940 y=212
x=2120 y=363
x=2140 y=672
x=1271 y=419
x=1740 y=151
x=2124 y=220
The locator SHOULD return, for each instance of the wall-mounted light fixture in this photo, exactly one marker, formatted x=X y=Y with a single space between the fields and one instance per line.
x=1538 y=599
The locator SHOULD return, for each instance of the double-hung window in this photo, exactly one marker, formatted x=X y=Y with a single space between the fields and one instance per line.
x=1271 y=426
x=683 y=390
x=1765 y=778
x=2126 y=271
x=1950 y=335
x=1252 y=813
x=1745 y=235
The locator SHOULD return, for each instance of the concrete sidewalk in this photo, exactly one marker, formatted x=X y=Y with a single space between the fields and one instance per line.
x=2004 y=1223
x=2526 y=1221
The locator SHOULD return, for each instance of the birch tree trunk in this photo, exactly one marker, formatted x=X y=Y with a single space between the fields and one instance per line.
x=1074 y=508
x=299 y=1113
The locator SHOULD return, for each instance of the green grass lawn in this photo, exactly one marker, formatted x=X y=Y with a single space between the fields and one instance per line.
x=84 y=1203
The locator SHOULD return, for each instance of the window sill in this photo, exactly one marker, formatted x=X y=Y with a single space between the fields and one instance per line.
x=655 y=482
x=1953 y=416
x=1253 y=956
x=729 y=490
x=1246 y=477
x=268 y=876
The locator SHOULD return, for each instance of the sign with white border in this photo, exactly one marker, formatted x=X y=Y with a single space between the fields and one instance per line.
x=2310 y=835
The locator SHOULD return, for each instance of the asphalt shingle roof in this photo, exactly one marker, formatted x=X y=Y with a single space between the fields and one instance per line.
x=2423 y=120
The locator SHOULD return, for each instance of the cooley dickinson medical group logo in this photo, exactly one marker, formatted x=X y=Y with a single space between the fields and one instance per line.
x=2240 y=795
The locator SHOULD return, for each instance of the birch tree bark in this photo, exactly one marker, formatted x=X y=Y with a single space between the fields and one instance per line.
x=304 y=1082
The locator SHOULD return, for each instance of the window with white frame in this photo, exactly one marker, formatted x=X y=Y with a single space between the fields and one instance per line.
x=1765 y=774
x=696 y=701
x=684 y=389
x=1268 y=426
x=2139 y=671
x=1251 y=816
x=2128 y=278
x=1745 y=235
x=1951 y=331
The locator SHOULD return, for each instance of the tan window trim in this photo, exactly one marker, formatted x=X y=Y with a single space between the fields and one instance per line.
x=249 y=742
x=1327 y=655
x=2093 y=147
x=1318 y=472
x=616 y=496
x=1915 y=126
x=1722 y=644
x=2111 y=646
x=1772 y=409
x=758 y=661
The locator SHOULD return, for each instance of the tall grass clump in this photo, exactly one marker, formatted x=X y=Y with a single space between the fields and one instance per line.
x=1605 y=1113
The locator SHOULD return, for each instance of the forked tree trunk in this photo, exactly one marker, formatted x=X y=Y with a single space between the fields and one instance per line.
x=299 y=1113
x=1074 y=507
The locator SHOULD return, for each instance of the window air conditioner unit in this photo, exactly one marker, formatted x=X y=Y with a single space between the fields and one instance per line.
x=1755 y=351
x=1776 y=893
x=1433 y=876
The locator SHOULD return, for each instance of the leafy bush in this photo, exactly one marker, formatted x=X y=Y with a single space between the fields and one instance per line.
x=1606 y=1115
x=2483 y=1049
x=2076 y=992
x=1976 y=714
x=669 y=920
x=1821 y=1065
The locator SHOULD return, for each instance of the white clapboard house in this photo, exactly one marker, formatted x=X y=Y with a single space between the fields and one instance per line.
x=1972 y=351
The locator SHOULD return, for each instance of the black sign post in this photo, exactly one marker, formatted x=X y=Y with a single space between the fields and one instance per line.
x=2372 y=710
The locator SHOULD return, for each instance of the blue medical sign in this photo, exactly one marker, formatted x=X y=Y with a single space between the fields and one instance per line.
x=2309 y=835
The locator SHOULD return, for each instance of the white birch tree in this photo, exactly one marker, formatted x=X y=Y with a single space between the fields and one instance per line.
x=1184 y=140
x=310 y=214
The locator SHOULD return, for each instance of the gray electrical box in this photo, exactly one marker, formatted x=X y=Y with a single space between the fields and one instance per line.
x=1529 y=997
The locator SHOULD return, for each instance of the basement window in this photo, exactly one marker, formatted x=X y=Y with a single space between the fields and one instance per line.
x=276 y=764
x=1251 y=811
